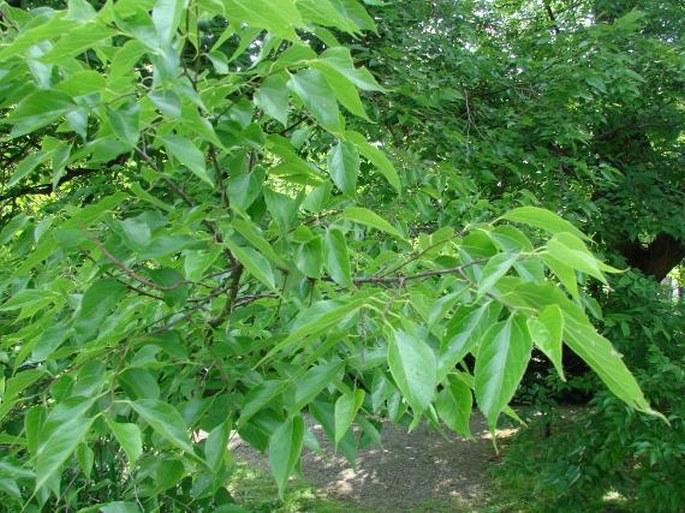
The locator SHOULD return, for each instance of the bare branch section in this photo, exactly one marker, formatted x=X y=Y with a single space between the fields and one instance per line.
x=130 y=272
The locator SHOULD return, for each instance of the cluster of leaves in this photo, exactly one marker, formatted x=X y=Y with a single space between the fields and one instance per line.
x=609 y=447
x=193 y=243
x=575 y=107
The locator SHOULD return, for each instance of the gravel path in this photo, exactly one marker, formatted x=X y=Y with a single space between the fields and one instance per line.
x=409 y=471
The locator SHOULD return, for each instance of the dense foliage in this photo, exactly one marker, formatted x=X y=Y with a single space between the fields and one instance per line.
x=214 y=218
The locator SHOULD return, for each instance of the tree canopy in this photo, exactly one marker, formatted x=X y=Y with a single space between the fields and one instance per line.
x=222 y=215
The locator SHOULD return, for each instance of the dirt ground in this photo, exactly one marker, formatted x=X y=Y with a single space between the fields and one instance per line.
x=410 y=471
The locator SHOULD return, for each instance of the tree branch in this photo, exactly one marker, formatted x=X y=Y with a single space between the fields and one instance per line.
x=46 y=188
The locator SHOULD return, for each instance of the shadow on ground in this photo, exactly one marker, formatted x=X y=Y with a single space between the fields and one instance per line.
x=408 y=472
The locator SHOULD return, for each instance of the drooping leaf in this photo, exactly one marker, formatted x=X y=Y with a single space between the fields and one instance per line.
x=377 y=158
x=544 y=219
x=273 y=98
x=453 y=404
x=343 y=166
x=38 y=110
x=368 y=218
x=129 y=437
x=464 y=333
x=216 y=446
x=253 y=262
x=502 y=360
x=414 y=368
x=493 y=270
x=285 y=446
x=346 y=408
x=165 y=420
x=189 y=155
x=96 y=304
x=166 y=16
x=312 y=383
x=336 y=257
x=317 y=96
x=59 y=438
x=546 y=332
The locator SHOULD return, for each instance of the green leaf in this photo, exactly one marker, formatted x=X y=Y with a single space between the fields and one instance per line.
x=137 y=232
x=165 y=420
x=251 y=234
x=567 y=248
x=273 y=98
x=33 y=423
x=96 y=304
x=464 y=333
x=130 y=439
x=257 y=398
x=166 y=16
x=601 y=356
x=565 y=274
x=27 y=165
x=453 y=404
x=186 y=153
x=317 y=96
x=340 y=60
x=118 y=507
x=414 y=368
x=216 y=446
x=125 y=122
x=368 y=218
x=336 y=257
x=343 y=166
x=253 y=262
x=346 y=408
x=377 y=158
x=38 y=110
x=168 y=103
x=546 y=332
x=63 y=431
x=279 y=17
x=15 y=386
x=323 y=12
x=197 y=262
x=285 y=446
x=80 y=10
x=494 y=269
x=316 y=319
x=501 y=363
x=345 y=92
x=354 y=11
x=312 y=383
x=544 y=219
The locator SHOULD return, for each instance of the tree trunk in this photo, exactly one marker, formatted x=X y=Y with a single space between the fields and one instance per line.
x=656 y=259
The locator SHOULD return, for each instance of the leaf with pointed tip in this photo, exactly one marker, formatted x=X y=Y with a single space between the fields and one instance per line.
x=273 y=98
x=502 y=359
x=464 y=333
x=544 y=219
x=317 y=96
x=165 y=420
x=366 y=217
x=129 y=437
x=414 y=368
x=189 y=155
x=285 y=446
x=343 y=166
x=546 y=332
x=346 y=408
x=336 y=257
